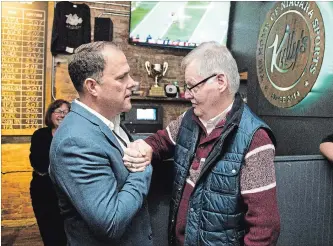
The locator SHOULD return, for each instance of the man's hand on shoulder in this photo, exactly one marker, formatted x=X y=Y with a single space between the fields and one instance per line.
x=137 y=156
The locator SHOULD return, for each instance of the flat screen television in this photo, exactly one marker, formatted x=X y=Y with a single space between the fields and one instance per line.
x=178 y=24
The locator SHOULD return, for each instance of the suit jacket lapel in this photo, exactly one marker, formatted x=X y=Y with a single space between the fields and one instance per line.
x=96 y=121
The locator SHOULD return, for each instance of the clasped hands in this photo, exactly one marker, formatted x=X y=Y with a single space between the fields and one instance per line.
x=137 y=156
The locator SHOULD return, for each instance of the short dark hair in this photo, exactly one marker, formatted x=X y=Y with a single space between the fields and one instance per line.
x=53 y=106
x=88 y=62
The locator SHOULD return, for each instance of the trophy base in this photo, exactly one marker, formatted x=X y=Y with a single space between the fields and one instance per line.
x=156 y=92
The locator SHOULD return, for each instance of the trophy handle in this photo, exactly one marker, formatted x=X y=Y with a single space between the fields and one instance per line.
x=148 y=67
x=165 y=68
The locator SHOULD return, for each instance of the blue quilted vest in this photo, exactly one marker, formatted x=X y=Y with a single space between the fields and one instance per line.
x=215 y=213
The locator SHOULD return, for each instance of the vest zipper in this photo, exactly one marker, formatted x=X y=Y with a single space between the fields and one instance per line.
x=229 y=129
x=211 y=160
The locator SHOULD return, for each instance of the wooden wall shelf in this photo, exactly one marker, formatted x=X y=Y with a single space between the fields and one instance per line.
x=164 y=99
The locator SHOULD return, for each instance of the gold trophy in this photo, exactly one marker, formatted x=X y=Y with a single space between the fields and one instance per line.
x=156 y=71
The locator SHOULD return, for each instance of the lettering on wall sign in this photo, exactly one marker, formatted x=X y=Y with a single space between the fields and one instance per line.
x=290 y=52
x=23 y=50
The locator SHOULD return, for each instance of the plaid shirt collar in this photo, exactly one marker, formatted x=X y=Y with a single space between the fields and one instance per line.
x=215 y=122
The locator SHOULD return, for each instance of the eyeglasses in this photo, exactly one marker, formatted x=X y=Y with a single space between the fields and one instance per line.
x=189 y=89
x=59 y=112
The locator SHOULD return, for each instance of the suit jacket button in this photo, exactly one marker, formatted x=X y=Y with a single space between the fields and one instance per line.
x=150 y=237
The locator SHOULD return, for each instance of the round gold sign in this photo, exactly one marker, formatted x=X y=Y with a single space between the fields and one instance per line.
x=290 y=52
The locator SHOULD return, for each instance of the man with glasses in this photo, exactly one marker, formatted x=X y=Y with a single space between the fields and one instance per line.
x=224 y=190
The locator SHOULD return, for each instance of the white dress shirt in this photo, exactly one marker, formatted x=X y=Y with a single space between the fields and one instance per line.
x=113 y=124
x=212 y=123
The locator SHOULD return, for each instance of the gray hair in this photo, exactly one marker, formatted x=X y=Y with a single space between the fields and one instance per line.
x=212 y=57
x=88 y=62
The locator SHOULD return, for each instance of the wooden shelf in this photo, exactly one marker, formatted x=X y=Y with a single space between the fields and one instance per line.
x=165 y=99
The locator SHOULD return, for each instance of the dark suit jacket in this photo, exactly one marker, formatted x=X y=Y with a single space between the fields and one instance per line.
x=103 y=204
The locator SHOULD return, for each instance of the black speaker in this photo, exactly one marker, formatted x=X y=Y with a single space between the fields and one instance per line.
x=103 y=29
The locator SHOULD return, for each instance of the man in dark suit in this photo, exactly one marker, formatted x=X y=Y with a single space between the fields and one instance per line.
x=102 y=203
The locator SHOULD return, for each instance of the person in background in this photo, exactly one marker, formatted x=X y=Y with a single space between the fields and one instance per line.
x=43 y=197
x=102 y=203
x=326 y=147
x=224 y=190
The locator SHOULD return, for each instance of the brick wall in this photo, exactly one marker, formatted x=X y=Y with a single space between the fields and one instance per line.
x=136 y=55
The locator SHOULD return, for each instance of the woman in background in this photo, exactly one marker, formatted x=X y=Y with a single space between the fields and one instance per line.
x=43 y=197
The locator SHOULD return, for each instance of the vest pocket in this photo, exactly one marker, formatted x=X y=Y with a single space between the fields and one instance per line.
x=225 y=177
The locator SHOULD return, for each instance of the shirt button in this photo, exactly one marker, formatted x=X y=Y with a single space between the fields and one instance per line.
x=233 y=171
x=192 y=210
x=172 y=221
x=179 y=188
